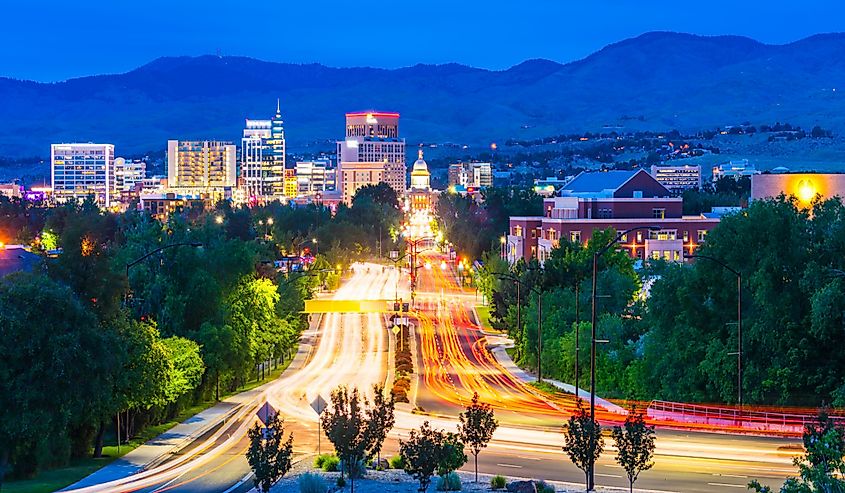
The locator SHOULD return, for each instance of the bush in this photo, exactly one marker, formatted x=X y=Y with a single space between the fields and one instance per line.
x=320 y=460
x=544 y=487
x=330 y=463
x=312 y=483
x=498 y=482
x=357 y=470
x=449 y=482
x=397 y=462
x=341 y=482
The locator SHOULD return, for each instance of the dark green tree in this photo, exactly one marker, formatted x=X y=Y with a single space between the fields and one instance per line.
x=421 y=454
x=345 y=425
x=584 y=441
x=269 y=454
x=380 y=420
x=476 y=427
x=635 y=446
x=822 y=466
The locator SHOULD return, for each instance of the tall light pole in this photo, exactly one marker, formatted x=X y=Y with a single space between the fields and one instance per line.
x=738 y=323
x=598 y=253
x=539 y=294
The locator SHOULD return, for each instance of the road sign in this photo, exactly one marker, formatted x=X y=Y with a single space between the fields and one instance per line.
x=396 y=329
x=318 y=404
x=400 y=321
x=266 y=412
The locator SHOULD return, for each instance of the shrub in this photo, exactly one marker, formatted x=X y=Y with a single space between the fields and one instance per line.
x=320 y=460
x=341 y=482
x=330 y=463
x=449 y=482
x=356 y=471
x=544 y=487
x=312 y=483
x=397 y=462
x=498 y=482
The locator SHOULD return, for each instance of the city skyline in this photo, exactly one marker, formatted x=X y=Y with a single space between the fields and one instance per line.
x=495 y=37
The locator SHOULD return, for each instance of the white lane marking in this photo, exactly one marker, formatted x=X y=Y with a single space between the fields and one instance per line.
x=510 y=465
x=608 y=475
x=729 y=485
x=239 y=483
x=525 y=457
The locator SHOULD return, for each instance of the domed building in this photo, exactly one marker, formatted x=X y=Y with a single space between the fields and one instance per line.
x=419 y=198
x=420 y=177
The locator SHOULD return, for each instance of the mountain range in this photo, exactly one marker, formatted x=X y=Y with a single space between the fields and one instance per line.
x=658 y=81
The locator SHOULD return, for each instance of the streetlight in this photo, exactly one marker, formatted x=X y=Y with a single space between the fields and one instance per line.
x=738 y=323
x=502 y=241
x=598 y=253
x=539 y=294
x=129 y=288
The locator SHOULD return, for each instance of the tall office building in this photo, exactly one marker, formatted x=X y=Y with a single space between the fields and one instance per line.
x=128 y=173
x=678 y=179
x=82 y=170
x=201 y=166
x=371 y=153
x=263 y=156
x=313 y=177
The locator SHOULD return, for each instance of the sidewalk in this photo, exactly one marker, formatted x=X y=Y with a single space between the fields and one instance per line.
x=497 y=345
x=181 y=435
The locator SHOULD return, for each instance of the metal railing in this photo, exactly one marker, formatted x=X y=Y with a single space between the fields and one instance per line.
x=731 y=417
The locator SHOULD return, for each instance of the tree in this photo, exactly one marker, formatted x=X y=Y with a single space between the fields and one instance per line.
x=451 y=454
x=421 y=454
x=584 y=442
x=217 y=351
x=635 y=446
x=345 y=425
x=822 y=467
x=269 y=455
x=380 y=420
x=186 y=367
x=476 y=427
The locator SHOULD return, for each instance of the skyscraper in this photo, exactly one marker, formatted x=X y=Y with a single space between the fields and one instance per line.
x=201 y=166
x=82 y=170
x=371 y=153
x=263 y=156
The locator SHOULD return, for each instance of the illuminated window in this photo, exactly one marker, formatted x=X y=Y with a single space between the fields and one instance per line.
x=667 y=255
x=702 y=235
x=533 y=234
x=639 y=236
x=658 y=213
x=575 y=236
x=686 y=236
x=655 y=254
x=677 y=256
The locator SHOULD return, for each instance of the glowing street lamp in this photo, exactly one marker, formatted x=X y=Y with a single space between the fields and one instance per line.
x=218 y=219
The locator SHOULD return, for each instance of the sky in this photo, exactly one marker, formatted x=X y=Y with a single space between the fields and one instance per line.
x=52 y=40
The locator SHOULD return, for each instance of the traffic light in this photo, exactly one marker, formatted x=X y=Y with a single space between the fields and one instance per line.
x=396 y=307
x=405 y=307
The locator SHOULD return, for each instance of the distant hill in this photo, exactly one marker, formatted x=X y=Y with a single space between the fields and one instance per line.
x=655 y=81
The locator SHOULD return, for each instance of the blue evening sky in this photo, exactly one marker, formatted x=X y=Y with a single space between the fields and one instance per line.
x=50 y=40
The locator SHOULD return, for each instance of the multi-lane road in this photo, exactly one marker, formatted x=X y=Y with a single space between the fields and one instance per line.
x=452 y=362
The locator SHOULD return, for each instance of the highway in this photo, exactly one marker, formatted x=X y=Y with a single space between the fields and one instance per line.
x=452 y=362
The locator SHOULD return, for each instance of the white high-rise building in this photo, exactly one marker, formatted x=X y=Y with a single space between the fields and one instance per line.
x=371 y=153
x=82 y=170
x=263 y=156
x=201 y=166
x=313 y=177
x=128 y=173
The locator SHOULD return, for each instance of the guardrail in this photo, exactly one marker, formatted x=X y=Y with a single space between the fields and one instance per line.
x=730 y=417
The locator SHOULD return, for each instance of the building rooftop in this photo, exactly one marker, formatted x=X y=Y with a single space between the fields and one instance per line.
x=599 y=181
x=13 y=258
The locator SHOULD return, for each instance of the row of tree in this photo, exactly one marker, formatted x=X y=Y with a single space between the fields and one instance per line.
x=672 y=328
x=89 y=343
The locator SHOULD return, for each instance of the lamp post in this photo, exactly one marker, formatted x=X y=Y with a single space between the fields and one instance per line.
x=598 y=253
x=133 y=264
x=502 y=242
x=539 y=294
x=738 y=323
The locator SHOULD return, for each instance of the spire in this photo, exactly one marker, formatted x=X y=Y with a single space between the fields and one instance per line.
x=278 y=106
x=420 y=153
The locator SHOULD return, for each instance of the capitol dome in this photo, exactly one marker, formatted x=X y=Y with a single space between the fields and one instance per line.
x=420 y=177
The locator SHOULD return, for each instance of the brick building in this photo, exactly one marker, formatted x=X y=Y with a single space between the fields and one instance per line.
x=612 y=199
